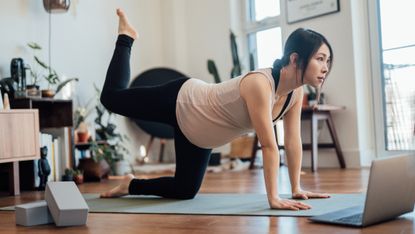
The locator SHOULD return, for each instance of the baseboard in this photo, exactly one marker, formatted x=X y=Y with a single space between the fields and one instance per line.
x=327 y=158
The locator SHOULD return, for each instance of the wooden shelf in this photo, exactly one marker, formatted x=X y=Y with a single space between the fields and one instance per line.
x=53 y=113
x=19 y=141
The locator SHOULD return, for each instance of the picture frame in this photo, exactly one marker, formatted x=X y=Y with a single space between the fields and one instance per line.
x=299 y=10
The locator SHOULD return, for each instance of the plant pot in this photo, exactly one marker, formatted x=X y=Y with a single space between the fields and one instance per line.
x=48 y=93
x=94 y=171
x=82 y=137
x=78 y=179
x=33 y=90
x=67 y=178
x=122 y=167
x=305 y=100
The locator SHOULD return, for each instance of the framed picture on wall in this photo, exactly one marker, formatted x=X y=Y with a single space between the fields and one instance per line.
x=299 y=10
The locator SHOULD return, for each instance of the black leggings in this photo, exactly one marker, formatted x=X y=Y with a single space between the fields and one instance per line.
x=154 y=103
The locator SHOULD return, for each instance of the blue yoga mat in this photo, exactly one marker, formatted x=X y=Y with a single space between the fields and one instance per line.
x=215 y=204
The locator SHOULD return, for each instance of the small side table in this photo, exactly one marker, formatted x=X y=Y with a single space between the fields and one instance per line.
x=323 y=112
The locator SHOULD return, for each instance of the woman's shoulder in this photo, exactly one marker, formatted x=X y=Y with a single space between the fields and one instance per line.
x=258 y=76
x=266 y=72
x=256 y=81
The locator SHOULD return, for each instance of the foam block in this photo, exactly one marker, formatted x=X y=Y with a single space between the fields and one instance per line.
x=34 y=213
x=66 y=204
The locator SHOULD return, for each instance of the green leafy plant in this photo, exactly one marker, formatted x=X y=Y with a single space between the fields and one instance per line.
x=213 y=70
x=69 y=172
x=82 y=112
x=48 y=73
x=236 y=69
x=312 y=94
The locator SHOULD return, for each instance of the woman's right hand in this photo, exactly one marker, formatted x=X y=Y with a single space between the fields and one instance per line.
x=287 y=204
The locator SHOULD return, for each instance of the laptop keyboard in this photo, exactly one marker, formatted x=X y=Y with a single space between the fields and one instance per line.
x=357 y=218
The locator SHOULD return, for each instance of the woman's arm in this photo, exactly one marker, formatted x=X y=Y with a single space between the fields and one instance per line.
x=257 y=92
x=293 y=147
x=292 y=140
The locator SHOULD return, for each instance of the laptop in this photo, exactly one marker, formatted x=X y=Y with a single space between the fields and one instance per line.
x=390 y=193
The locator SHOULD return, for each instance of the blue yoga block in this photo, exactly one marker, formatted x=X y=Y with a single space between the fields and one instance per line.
x=66 y=204
x=34 y=213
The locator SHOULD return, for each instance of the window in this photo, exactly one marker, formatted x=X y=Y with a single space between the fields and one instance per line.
x=396 y=78
x=263 y=32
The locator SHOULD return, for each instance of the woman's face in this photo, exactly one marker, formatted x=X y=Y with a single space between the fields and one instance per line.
x=318 y=67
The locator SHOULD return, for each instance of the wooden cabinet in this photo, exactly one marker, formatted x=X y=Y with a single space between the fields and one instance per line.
x=54 y=114
x=19 y=141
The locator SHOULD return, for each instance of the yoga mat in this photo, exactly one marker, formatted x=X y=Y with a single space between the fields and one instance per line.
x=214 y=204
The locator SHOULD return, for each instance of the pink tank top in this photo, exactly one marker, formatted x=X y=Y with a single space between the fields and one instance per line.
x=211 y=115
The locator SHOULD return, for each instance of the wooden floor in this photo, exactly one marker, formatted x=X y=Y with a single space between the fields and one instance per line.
x=325 y=180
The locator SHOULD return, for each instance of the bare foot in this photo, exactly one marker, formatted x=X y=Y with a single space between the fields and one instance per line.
x=124 y=27
x=121 y=189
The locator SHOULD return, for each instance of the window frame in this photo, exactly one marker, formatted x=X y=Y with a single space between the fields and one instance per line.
x=250 y=26
x=376 y=55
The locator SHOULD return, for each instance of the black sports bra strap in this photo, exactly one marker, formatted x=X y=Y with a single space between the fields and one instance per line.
x=285 y=106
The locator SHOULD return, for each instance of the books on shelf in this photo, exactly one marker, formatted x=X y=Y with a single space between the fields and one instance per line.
x=54 y=157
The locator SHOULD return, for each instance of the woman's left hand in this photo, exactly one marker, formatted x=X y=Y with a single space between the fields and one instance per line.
x=301 y=194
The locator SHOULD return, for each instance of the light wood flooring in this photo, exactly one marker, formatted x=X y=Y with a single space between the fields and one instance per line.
x=325 y=180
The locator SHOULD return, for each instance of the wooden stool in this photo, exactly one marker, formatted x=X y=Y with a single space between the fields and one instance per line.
x=323 y=112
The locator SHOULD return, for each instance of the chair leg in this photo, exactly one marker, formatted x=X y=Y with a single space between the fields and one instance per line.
x=162 y=146
x=253 y=153
x=314 y=142
x=333 y=134
x=148 y=147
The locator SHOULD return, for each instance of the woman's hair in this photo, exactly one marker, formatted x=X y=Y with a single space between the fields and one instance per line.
x=305 y=43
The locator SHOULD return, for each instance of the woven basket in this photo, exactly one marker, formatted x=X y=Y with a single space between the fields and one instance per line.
x=241 y=147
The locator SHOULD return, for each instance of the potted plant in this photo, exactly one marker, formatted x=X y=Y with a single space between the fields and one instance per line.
x=48 y=73
x=82 y=133
x=113 y=151
x=107 y=148
x=68 y=175
x=312 y=96
x=78 y=177
x=236 y=69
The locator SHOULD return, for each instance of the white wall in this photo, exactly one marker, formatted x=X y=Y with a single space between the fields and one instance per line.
x=183 y=34
x=82 y=42
x=348 y=83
